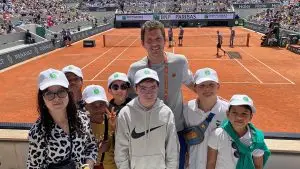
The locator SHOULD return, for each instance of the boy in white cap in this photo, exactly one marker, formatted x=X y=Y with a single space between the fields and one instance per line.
x=97 y=106
x=146 y=135
x=75 y=78
x=204 y=113
x=238 y=143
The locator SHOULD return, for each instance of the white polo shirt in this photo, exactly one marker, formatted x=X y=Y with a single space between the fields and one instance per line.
x=194 y=116
x=221 y=141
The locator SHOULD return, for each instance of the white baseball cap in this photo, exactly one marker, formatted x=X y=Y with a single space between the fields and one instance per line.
x=73 y=69
x=117 y=76
x=52 y=77
x=206 y=74
x=94 y=93
x=144 y=74
x=241 y=99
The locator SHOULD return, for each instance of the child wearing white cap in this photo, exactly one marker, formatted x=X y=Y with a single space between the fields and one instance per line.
x=60 y=127
x=202 y=115
x=75 y=78
x=97 y=106
x=238 y=143
x=118 y=86
x=146 y=135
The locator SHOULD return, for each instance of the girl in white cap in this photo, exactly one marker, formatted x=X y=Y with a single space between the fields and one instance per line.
x=238 y=143
x=61 y=137
x=118 y=86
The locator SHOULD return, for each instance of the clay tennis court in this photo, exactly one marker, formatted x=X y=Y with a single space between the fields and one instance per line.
x=271 y=76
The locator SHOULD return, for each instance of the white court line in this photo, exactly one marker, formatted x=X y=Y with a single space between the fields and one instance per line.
x=248 y=71
x=45 y=54
x=114 y=59
x=102 y=54
x=267 y=66
x=220 y=82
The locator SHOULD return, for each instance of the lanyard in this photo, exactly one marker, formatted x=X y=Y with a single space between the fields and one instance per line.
x=165 y=76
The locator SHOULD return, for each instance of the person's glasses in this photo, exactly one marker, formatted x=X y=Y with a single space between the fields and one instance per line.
x=51 y=95
x=236 y=153
x=123 y=86
x=145 y=89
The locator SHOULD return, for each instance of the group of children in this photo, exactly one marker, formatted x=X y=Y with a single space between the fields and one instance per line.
x=229 y=139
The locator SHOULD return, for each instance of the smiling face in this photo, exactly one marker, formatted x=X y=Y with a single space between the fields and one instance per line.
x=147 y=92
x=206 y=90
x=239 y=116
x=97 y=110
x=56 y=98
x=154 y=43
x=75 y=82
x=119 y=90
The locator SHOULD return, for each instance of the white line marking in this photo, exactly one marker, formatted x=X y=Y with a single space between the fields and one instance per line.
x=45 y=54
x=248 y=71
x=267 y=66
x=102 y=54
x=114 y=59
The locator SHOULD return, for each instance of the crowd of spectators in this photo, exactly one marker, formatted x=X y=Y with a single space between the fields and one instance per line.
x=44 y=12
x=287 y=15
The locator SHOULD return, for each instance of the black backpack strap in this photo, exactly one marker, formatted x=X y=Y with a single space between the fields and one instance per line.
x=105 y=135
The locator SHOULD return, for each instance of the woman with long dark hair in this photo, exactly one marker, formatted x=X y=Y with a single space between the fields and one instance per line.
x=61 y=137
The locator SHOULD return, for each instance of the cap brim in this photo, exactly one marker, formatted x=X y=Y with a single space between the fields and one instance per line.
x=69 y=71
x=240 y=103
x=146 y=77
x=201 y=80
x=93 y=99
x=121 y=79
x=53 y=83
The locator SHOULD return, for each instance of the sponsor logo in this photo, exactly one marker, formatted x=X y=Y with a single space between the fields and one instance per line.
x=1 y=61
x=136 y=135
x=45 y=47
x=244 y=6
x=9 y=59
x=185 y=17
x=23 y=55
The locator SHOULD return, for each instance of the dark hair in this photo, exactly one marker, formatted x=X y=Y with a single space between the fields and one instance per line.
x=245 y=106
x=151 y=25
x=47 y=121
x=128 y=84
x=148 y=80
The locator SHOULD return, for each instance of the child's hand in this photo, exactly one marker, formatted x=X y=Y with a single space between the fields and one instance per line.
x=104 y=146
x=111 y=118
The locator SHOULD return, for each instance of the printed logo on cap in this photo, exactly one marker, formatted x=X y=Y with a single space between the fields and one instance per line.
x=246 y=99
x=116 y=75
x=70 y=67
x=147 y=72
x=96 y=91
x=53 y=75
x=207 y=72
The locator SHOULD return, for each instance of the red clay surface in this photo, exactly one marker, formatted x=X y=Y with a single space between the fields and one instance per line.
x=271 y=76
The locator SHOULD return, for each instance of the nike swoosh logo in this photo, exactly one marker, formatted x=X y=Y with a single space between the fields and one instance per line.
x=136 y=135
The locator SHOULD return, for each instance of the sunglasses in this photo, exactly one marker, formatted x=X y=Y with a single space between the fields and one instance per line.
x=236 y=152
x=62 y=93
x=123 y=86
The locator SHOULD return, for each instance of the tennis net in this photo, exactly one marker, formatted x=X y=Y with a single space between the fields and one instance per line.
x=205 y=40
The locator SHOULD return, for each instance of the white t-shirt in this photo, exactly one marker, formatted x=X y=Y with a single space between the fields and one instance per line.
x=194 y=116
x=221 y=141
